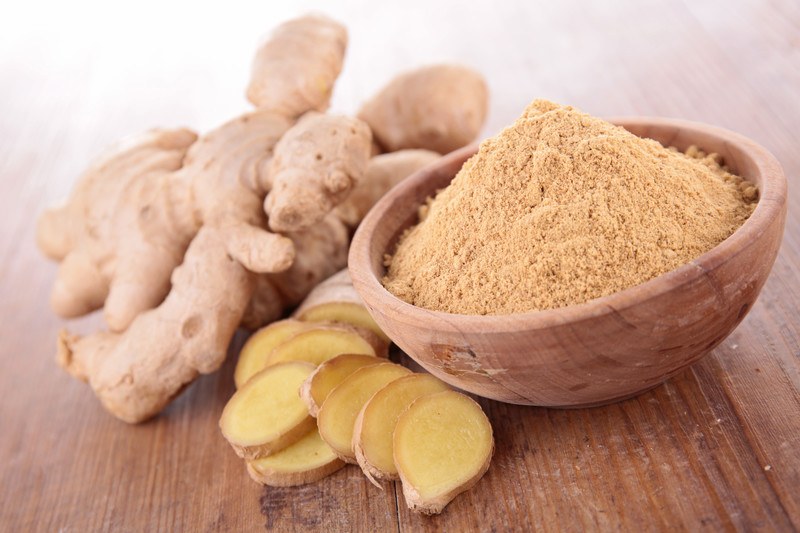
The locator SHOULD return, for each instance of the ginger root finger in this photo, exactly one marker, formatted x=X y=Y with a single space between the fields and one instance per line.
x=320 y=251
x=219 y=186
x=80 y=286
x=337 y=416
x=295 y=69
x=383 y=172
x=307 y=460
x=109 y=209
x=442 y=446
x=336 y=300
x=267 y=414
x=328 y=375
x=137 y=372
x=55 y=234
x=315 y=166
x=260 y=251
x=439 y=108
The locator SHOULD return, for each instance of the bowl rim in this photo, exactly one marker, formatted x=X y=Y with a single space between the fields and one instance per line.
x=771 y=204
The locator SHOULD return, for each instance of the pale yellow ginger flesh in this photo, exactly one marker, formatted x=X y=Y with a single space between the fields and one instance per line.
x=384 y=171
x=438 y=107
x=443 y=444
x=344 y=313
x=307 y=460
x=319 y=344
x=374 y=427
x=329 y=375
x=337 y=416
x=267 y=414
x=253 y=356
x=336 y=300
x=295 y=69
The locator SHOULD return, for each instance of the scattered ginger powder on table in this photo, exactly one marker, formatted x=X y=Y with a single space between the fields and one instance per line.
x=561 y=208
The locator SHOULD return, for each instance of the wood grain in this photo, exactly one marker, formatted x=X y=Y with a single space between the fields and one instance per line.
x=715 y=448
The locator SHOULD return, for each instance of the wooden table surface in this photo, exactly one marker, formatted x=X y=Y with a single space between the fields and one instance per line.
x=715 y=448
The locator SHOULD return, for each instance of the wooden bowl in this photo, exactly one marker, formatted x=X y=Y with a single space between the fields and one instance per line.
x=601 y=351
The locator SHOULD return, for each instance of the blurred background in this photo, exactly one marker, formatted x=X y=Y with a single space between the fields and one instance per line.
x=102 y=70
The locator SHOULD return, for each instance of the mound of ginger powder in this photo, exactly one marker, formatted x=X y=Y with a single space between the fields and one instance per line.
x=558 y=209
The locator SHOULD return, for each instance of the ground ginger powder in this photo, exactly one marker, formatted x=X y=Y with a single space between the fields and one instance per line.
x=561 y=208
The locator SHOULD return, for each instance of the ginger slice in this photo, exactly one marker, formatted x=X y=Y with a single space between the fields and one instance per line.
x=253 y=356
x=307 y=460
x=318 y=344
x=328 y=375
x=336 y=300
x=344 y=313
x=442 y=446
x=374 y=427
x=337 y=416
x=267 y=414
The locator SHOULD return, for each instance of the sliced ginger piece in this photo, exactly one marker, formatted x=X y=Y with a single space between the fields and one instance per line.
x=374 y=427
x=343 y=313
x=336 y=300
x=328 y=375
x=318 y=344
x=267 y=414
x=442 y=446
x=253 y=356
x=337 y=416
x=307 y=460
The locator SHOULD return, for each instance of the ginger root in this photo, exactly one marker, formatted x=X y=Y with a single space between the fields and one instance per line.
x=439 y=108
x=329 y=375
x=307 y=460
x=384 y=171
x=374 y=427
x=316 y=165
x=442 y=445
x=136 y=372
x=266 y=415
x=123 y=230
x=200 y=202
x=295 y=69
x=337 y=416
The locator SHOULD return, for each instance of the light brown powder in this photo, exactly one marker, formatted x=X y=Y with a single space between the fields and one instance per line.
x=560 y=208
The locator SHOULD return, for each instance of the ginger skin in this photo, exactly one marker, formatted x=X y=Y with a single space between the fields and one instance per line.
x=213 y=213
x=305 y=181
x=107 y=248
x=439 y=108
x=295 y=69
x=137 y=372
x=384 y=171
